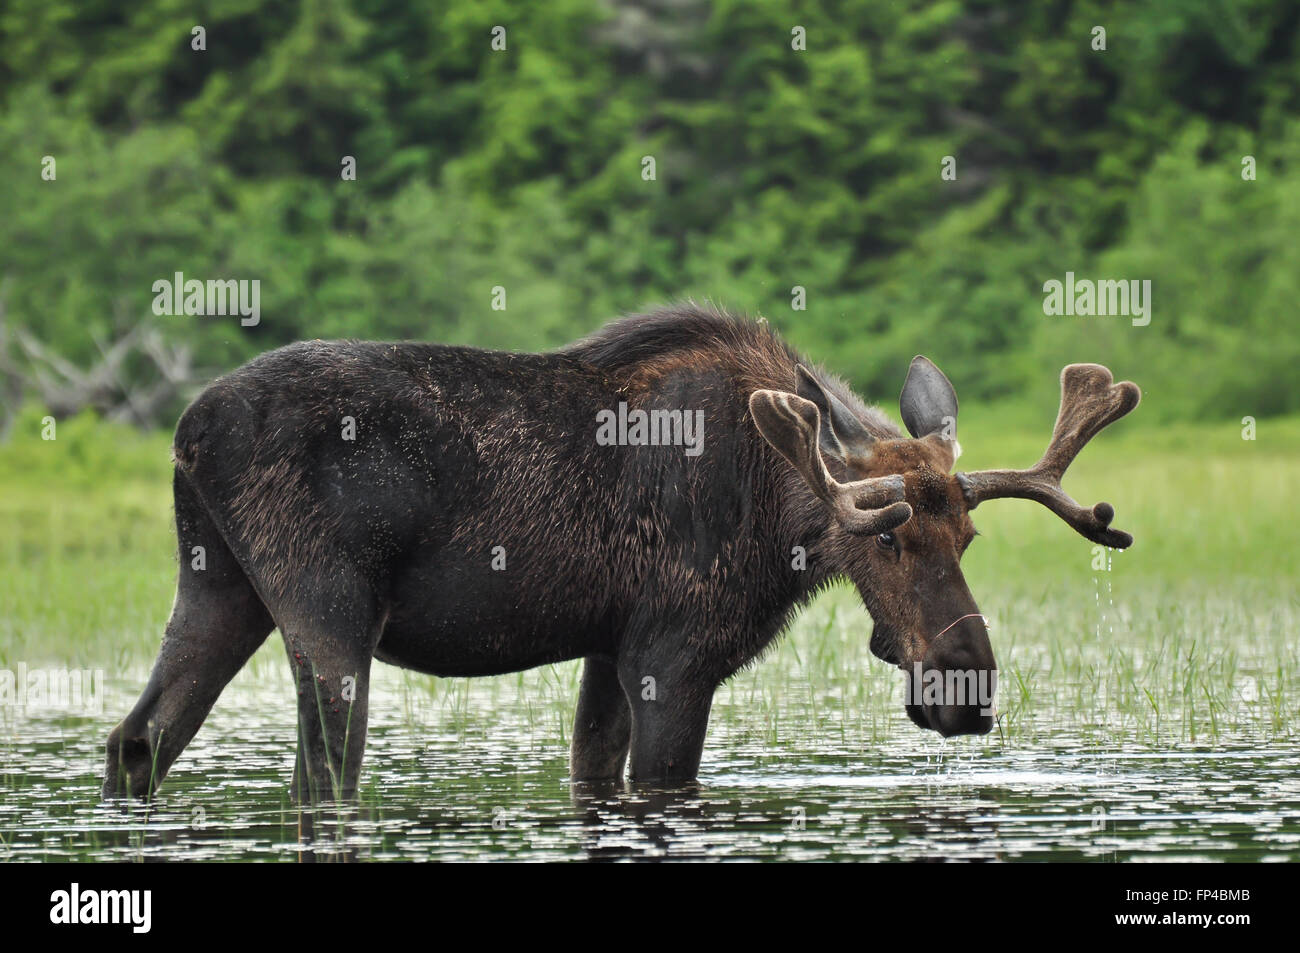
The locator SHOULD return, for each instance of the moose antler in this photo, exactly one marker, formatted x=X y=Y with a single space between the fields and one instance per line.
x=1089 y=401
x=791 y=425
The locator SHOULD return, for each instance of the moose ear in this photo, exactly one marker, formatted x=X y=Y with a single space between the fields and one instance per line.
x=840 y=428
x=928 y=402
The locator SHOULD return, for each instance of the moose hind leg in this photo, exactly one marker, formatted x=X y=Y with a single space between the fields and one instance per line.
x=216 y=625
x=602 y=727
x=330 y=658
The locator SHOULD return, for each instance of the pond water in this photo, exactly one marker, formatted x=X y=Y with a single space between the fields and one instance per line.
x=477 y=770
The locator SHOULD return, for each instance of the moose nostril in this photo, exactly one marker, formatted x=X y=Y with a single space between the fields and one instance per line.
x=958 y=697
x=964 y=648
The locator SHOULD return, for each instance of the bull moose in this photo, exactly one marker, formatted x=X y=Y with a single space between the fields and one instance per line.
x=451 y=510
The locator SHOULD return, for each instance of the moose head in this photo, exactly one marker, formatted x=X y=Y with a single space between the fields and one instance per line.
x=900 y=520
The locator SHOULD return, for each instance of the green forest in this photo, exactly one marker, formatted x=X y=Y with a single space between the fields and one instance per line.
x=877 y=179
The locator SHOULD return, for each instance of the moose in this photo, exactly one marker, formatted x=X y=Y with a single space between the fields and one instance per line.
x=450 y=510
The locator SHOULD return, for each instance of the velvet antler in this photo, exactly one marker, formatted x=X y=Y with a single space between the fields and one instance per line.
x=1089 y=401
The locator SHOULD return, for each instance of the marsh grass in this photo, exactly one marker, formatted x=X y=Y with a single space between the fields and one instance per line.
x=1190 y=637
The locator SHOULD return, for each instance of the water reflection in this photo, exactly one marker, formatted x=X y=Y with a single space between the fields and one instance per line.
x=442 y=787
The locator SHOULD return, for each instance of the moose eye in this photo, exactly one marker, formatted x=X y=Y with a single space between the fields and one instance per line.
x=885 y=541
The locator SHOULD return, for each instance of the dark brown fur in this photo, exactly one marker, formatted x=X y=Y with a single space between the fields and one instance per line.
x=666 y=572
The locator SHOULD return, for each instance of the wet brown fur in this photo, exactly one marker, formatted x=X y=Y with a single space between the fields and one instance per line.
x=645 y=562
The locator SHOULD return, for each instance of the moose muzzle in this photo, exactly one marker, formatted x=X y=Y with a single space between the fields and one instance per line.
x=951 y=690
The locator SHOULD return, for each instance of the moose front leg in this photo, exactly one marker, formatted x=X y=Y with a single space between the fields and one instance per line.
x=602 y=727
x=670 y=717
x=333 y=681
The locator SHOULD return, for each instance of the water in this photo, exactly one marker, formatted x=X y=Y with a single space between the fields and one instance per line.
x=477 y=770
